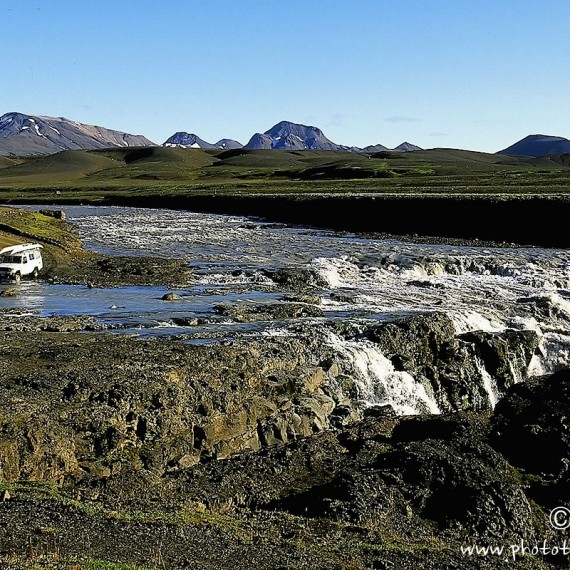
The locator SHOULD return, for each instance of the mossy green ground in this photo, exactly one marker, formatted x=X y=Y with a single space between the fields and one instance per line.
x=19 y=225
x=348 y=554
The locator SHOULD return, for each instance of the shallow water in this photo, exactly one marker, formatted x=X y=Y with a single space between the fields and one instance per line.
x=133 y=308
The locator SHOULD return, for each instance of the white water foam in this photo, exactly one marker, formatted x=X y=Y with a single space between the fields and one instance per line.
x=469 y=321
x=553 y=354
x=378 y=382
x=229 y=278
x=559 y=303
x=336 y=271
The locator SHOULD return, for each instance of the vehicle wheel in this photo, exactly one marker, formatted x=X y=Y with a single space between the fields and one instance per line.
x=17 y=277
x=35 y=273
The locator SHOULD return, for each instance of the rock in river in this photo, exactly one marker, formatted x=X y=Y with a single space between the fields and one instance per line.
x=171 y=297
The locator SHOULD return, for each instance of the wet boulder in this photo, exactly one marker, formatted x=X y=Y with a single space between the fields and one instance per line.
x=246 y=313
x=544 y=307
x=171 y=297
x=531 y=429
x=296 y=279
x=505 y=355
x=11 y=292
x=57 y=214
x=308 y=298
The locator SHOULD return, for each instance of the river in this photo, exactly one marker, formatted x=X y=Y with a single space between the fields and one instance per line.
x=480 y=288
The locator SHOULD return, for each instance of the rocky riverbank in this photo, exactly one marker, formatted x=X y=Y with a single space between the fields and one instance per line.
x=261 y=453
x=105 y=459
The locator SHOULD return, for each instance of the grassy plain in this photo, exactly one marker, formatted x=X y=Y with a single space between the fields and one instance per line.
x=98 y=176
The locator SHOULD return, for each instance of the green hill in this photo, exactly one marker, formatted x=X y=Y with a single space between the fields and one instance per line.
x=153 y=164
x=178 y=171
x=54 y=169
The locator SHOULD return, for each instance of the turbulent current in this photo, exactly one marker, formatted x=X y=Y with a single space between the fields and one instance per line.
x=358 y=280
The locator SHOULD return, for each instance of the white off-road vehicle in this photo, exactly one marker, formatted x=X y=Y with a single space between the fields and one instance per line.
x=17 y=261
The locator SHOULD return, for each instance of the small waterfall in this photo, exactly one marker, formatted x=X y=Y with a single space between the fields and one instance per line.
x=379 y=383
x=489 y=383
x=336 y=271
x=470 y=320
x=516 y=373
x=554 y=354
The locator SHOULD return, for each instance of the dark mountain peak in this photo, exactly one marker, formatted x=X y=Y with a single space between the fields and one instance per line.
x=14 y=123
x=14 y=116
x=228 y=144
x=285 y=128
x=187 y=140
x=183 y=134
x=190 y=140
x=407 y=147
x=543 y=138
x=538 y=145
x=260 y=141
x=286 y=135
x=375 y=148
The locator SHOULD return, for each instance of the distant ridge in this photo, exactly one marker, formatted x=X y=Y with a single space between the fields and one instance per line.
x=375 y=148
x=27 y=135
x=187 y=140
x=537 y=146
x=23 y=135
x=286 y=135
x=190 y=140
x=228 y=144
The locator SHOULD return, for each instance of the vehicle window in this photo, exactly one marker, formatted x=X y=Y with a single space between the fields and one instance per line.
x=11 y=259
x=32 y=256
x=24 y=260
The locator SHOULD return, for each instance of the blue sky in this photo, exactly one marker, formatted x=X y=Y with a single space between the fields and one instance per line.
x=474 y=74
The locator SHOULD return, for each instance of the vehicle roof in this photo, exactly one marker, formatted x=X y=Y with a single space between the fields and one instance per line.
x=21 y=248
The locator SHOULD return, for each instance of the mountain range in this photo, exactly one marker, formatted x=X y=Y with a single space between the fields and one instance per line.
x=285 y=135
x=190 y=140
x=29 y=134
x=24 y=135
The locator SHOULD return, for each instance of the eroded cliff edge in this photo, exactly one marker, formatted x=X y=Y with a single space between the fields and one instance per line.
x=262 y=453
